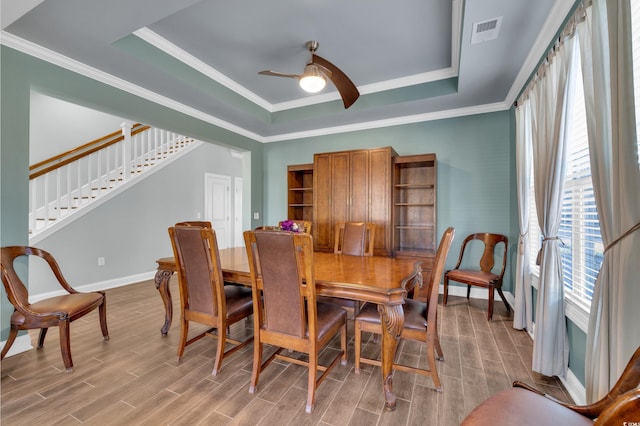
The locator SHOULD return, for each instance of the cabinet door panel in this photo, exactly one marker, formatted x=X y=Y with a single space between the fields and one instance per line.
x=340 y=187
x=322 y=228
x=380 y=197
x=359 y=184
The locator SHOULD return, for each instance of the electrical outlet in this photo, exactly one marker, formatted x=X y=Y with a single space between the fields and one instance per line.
x=256 y=215
x=101 y=261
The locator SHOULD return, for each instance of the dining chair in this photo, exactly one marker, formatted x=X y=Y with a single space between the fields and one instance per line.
x=483 y=275
x=420 y=318
x=354 y=238
x=287 y=314
x=204 y=298
x=56 y=311
x=522 y=404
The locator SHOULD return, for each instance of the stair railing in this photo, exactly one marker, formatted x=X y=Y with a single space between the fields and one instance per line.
x=71 y=180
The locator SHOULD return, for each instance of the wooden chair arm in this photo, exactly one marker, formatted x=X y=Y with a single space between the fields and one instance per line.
x=627 y=383
x=624 y=410
x=409 y=283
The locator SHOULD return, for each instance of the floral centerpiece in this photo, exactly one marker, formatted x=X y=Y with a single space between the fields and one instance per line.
x=290 y=225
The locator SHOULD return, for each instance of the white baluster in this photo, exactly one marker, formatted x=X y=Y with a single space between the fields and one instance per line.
x=126 y=150
x=58 y=191
x=68 y=188
x=46 y=199
x=33 y=186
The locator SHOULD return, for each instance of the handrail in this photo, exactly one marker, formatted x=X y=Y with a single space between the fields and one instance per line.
x=81 y=151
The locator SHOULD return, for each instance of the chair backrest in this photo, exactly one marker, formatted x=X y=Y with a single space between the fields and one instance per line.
x=195 y=249
x=199 y=223
x=490 y=241
x=438 y=266
x=17 y=292
x=305 y=225
x=354 y=238
x=281 y=265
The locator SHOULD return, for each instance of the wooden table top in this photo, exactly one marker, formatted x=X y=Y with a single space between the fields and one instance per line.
x=374 y=279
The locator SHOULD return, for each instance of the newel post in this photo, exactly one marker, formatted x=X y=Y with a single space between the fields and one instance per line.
x=126 y=150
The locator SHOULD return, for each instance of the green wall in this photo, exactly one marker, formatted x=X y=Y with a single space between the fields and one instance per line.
x=20 y=74
x=476 y=166
x=476 y=183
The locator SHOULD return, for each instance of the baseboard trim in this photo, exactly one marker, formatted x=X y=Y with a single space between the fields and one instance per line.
x=576 y=390
x=21 y=344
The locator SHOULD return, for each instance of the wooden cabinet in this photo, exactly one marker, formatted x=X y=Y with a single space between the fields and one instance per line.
x=300 y=192
x=414 y=206
x=398 y=194
x=414 y=211
x=353 y=186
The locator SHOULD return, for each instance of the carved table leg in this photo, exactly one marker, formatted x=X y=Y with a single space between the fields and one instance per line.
x=392 y=318
x=162 y=284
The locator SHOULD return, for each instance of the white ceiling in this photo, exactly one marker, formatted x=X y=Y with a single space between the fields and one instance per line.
x=412 y=60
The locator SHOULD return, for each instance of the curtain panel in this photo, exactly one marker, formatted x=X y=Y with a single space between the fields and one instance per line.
x=551 y=104
x=607 y=68
x=522 y=312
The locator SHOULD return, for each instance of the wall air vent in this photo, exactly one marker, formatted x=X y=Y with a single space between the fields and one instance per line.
x=486 y=30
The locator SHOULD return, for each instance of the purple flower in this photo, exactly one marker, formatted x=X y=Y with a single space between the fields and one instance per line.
x=289 y=225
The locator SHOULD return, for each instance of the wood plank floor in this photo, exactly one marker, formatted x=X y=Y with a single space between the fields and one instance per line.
x=133 y=379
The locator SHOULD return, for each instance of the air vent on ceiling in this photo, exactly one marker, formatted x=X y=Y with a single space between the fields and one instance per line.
x=486 y=30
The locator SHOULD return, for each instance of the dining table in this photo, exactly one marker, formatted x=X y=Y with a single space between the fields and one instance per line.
x=371 y=279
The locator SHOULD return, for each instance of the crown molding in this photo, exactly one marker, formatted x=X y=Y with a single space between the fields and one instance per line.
x=65 y=62
x=389 y=122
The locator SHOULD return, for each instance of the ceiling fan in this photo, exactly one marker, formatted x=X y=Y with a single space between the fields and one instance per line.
x=317 y=70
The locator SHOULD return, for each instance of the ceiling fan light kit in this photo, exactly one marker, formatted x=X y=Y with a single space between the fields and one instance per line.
x=312 y=80
x=315 y=75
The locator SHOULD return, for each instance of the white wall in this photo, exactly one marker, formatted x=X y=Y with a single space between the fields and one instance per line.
x=56 y=126
x=130 y=230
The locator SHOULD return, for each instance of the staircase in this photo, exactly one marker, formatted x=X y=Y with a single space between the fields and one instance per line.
x=70 y=182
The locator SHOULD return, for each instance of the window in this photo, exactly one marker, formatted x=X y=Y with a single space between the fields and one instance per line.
x=582 y=251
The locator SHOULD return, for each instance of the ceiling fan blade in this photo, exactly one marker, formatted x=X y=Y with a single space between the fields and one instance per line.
x=278 y=74
x=348 y=91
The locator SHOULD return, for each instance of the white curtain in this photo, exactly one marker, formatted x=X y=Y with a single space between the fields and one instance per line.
x=550 y=107
x=614 y=322
x=523 y=310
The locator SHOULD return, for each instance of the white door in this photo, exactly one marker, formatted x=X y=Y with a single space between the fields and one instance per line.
x=237 y=212
x=217 y=202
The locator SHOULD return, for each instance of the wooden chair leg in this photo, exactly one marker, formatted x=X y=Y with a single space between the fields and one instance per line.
x=43 y=334
x=446 y=291
x=311 y=386
x=102 y=311
x=468 y=291
x=222 y=338
x=504 y=300
x=490 y=310
x=12 y=337
x=343 y=344
x=184 y=331
x=257 y=365
x=431 y=358
x=358 y=346
x=65 y=345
